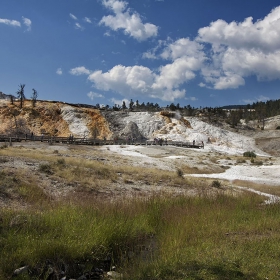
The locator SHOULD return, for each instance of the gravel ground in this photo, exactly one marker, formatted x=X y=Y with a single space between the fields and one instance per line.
x=208 y=162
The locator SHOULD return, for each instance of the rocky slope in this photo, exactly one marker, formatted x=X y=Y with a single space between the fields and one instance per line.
x=60 y=119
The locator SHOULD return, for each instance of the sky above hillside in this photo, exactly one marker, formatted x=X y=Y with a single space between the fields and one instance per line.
x=202 y=53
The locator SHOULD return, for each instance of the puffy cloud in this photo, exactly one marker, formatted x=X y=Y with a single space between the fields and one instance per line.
x=140 y=80
x=152 y=54
x=115 y=5
x=59 y=71
x=81 y=70
x=130 y=22
x=237 y=50
x=184 y=47
x=229 y=80
x=10 y=22
x=174 y=74
x=149 y=55
x=119 y=102
x=242 y=49
x=164 y=83
x=266 y=66
x=263 y=34
x=92 y=95
x=202 y=85
x=123 y=79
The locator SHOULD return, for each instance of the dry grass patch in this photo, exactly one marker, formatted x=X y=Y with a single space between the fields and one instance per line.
x=274 y=190
x=206 y=169
x=15 y=185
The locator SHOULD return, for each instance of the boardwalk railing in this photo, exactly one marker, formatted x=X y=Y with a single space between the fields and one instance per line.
x=94 y=141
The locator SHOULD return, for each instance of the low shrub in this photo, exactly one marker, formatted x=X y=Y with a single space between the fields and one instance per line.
x=61 y=161
x=45 y=168
x=179 y=172
x=3 y=160
x=216 y=184
x=249 y=154
x=4 y=146
x=257 y=162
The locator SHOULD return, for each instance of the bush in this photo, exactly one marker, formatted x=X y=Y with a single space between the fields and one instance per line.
x=240 y=161
x=61 y=161
x=46 y=168
x=256 y=162
x=216 y=184
x=249 y=154
x=180 y=172
x=5 y=146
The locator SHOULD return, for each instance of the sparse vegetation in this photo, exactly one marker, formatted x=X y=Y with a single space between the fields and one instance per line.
x=256 y=162
x=171 y=232
x=216 y=184
x=46 y=168
x=181 y=237
x=240 y=160
x=249 y=154
x=179 y=172
x=4 y=146
x=81 y=209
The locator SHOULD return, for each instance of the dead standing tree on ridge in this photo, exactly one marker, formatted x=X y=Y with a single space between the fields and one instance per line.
x=20 y=94
x=34 y=97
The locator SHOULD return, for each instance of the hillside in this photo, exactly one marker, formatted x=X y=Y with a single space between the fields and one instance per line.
x=38 y=176
x=60 y=119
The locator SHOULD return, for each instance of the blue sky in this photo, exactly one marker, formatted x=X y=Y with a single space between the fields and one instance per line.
x=202 y=53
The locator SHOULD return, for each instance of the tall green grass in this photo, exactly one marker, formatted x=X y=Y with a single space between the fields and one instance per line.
x=203 y=237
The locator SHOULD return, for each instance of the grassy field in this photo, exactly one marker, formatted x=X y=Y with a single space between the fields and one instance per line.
x=212 y=235
x=221 y=237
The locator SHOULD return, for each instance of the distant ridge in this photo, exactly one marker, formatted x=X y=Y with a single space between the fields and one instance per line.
x=4 y=96
x=229 y=107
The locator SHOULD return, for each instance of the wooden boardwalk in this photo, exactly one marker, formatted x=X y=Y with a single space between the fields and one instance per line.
x=8 y=139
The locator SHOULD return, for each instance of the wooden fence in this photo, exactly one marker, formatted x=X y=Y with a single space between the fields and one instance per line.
x=92 y=141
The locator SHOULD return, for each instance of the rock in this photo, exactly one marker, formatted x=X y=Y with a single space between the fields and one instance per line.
x=18 y=221
x=114 y=275
x=131 y=130
x=20 y=270
x=83 y=277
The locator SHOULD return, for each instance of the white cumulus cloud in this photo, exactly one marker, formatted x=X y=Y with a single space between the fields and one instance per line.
x=10 y=22
x=120 y=102
x=242 y=49
x=223 y=54
x=81 y=70
x=130 y=22
x=139 y=80
x=92 y=95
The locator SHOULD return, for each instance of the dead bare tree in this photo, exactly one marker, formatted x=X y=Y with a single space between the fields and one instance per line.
x=20 y=94
x=34 y=97
x=12 y=99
